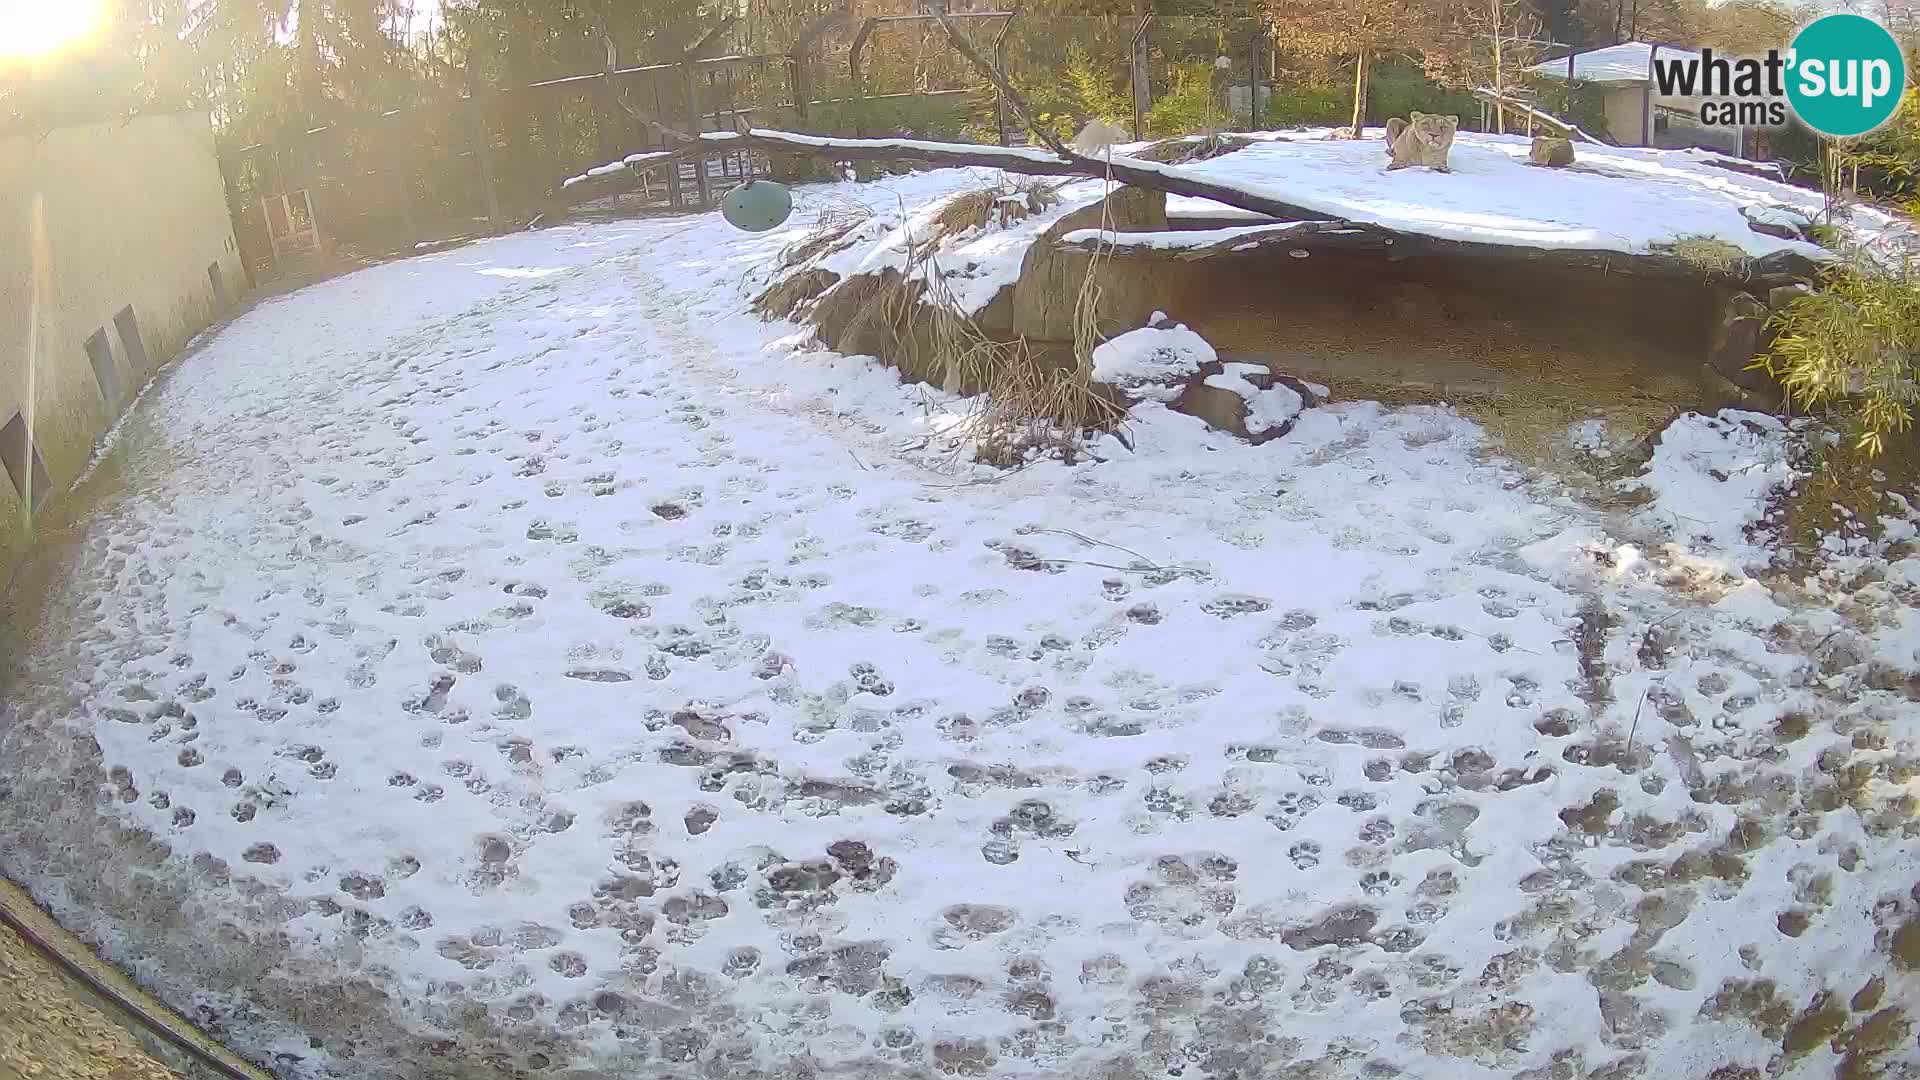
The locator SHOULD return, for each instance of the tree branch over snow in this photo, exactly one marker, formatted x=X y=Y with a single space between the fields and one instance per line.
x=1014 y=159
x=1295 y=226
x=1001 y=83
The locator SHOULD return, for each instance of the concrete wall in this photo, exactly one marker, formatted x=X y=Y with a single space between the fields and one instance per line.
x=96 y=219
x=1627 y=121
x=1626 y=109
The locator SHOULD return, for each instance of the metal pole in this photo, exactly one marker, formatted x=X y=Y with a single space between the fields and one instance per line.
x=1646 y=99
x=1142 y=88
x=673 y=170
x=797 y=80
x=606 y=104
x=853 y=70
x=695 y=127
x=1570 y=56
x=1253 y=80
x=1000 y=65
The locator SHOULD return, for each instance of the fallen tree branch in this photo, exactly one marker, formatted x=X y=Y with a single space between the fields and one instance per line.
x=1001 y=83
x=1295 y=226
x=1542 y=116
x=1193 y=245
x=1014 y=159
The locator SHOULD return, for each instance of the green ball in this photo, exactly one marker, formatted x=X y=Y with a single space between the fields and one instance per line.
x=757 y=205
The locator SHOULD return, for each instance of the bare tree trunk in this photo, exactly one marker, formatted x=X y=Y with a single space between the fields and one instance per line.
x=1001 y=83
x=1499 y=90
x=307 y=61
x=516 y=104
x=1360 y=94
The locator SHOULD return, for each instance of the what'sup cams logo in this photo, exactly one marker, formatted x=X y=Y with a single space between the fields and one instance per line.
x=1843 y=75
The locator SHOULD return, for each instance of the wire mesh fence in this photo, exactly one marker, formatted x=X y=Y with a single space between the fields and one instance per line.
x=496 y=152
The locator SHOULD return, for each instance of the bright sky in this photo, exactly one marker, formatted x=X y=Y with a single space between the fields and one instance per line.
x=33 y=29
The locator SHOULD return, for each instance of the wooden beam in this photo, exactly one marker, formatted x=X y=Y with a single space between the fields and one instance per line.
x=1001 y=83
x=1013 y=159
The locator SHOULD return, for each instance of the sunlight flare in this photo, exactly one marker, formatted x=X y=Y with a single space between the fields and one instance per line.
x=39 y=29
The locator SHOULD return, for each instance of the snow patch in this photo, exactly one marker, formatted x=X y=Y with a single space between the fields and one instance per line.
x=1152 y=363
x=1711 y=478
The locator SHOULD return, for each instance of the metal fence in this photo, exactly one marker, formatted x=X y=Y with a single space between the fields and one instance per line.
x=465 y=160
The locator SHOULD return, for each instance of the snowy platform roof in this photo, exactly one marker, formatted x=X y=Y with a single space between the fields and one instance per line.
x=1627 y=63
x=1613 y=199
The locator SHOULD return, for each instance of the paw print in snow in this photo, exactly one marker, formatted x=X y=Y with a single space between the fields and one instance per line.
x=1522 y=693
x=1290 y=807
x=1305 y=855
x=1377 y=831
x=867 y=678
x=1378 y=883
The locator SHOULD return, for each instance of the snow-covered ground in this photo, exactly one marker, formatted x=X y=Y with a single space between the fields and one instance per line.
x=1611 y=199
x=519 y=658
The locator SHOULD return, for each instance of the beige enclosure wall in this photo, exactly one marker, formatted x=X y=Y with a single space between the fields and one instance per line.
x=1627 y=114
x=108 y=232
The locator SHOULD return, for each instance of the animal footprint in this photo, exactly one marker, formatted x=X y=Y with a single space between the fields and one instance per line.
x=1290 y=807
x=1377 y=831
x=1305 y=855
x=1378 y=883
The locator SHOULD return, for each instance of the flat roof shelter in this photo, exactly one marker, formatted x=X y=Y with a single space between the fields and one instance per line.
x=1637 y=114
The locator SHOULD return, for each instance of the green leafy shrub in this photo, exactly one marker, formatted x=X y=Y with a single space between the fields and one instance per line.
x=1396 y=89
x=1083 y=91
x=1853 y=346
x=1184 y=108
x=935 y=118
x=1305 y=104
x=1884 y=164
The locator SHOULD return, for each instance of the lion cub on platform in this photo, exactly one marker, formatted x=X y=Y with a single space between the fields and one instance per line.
x=1424 y=141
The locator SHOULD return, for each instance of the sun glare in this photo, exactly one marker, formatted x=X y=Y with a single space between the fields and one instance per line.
x=37 y=29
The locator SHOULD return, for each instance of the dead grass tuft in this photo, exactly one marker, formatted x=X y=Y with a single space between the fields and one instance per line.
x=1021 y=403
x=1184 y=148
x=965 y=212
x=1705 y=252
x=792 y=291
x=1010 y=200
x=833 y=224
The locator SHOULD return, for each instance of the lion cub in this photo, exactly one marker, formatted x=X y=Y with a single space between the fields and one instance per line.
x=1424 y=141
